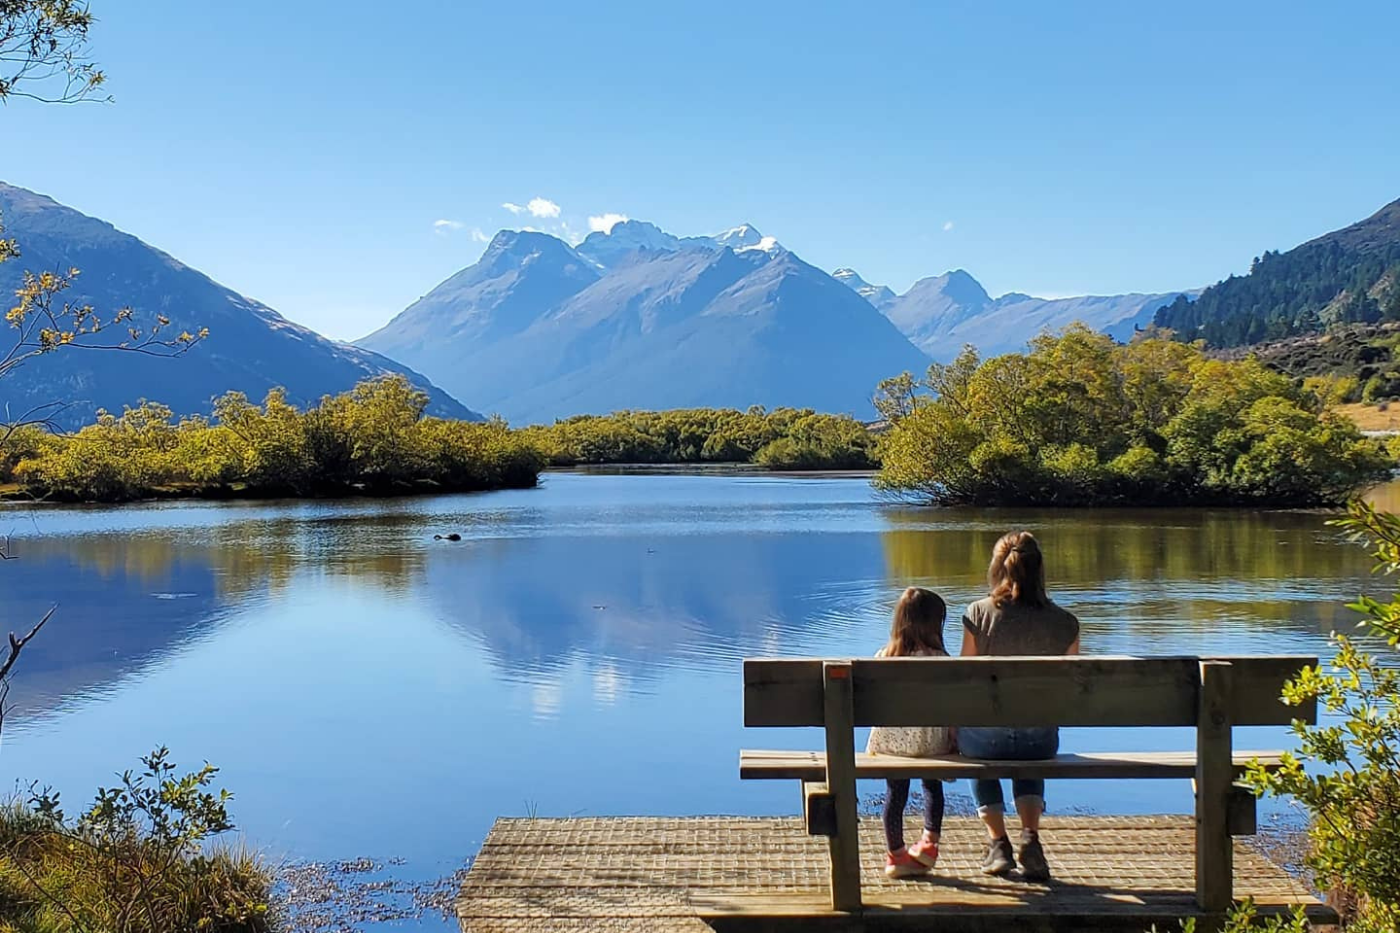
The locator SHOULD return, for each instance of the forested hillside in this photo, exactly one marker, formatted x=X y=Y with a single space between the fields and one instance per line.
x=1350 y=276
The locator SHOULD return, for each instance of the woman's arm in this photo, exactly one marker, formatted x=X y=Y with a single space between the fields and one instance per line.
x=1074 y=648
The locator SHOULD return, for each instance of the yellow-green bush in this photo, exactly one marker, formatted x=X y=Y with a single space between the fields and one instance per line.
x=138 y=859
x=785 y=438
x=374 y=439
x=1081 y=420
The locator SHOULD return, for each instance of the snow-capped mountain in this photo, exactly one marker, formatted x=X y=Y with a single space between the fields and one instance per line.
x=640 y=319
x=628 y=239
x=878 y=295
x=743 y=237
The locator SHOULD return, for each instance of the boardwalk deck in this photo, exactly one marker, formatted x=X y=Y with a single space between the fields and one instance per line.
x=758 y=874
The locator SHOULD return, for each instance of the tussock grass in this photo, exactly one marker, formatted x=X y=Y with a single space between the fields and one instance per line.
x=54 y=880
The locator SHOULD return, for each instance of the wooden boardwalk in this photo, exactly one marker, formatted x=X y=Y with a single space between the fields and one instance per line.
x=760 y=874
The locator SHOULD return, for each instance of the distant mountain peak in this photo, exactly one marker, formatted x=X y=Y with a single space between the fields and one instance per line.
x=251 y=348
x=878 y=295
x=942 y=313
x=745 y=237
x=650 y=320
x=626 y=238
x=629 y=240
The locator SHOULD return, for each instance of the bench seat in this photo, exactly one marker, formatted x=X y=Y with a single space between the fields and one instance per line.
x=811 y=766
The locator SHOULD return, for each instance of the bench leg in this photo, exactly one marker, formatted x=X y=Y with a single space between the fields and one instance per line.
x=841 y=785
x=1214 y=783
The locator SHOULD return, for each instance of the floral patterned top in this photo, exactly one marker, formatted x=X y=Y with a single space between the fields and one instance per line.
x=911 y=741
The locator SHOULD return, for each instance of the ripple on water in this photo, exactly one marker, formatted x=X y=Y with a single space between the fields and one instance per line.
x=331 y=656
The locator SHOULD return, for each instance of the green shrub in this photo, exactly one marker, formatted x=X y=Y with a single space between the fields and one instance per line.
x=373 y=439
x=1244 y=918
x=1081 y=420
x=786 y=438
x=1346 y=774
x=137 y=860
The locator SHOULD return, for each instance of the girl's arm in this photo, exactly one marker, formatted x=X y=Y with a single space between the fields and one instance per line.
x=1074 y=648
x=969 y=644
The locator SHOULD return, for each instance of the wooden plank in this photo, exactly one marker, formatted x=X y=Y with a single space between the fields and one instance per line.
x=1257 y=695
x=844 y=845
x=1214 y=852
x=759 y=764
x=1082 y=691
x=818 y=809
x=664 y=874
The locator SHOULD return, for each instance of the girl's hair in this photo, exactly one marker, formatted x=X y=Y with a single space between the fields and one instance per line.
x=917 y=626
x=1017 y=573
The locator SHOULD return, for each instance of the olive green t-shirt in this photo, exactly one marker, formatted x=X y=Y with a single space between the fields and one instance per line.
x=1020 y=630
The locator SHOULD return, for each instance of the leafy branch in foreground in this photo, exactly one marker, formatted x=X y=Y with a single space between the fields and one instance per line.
x=1244 y=918
x=42 y=322
x=136 y=860
x=1346 y=774
x=44 y=53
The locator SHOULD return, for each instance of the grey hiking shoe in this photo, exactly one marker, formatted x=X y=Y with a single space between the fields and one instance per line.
x=999 y=860
x=1032 y=858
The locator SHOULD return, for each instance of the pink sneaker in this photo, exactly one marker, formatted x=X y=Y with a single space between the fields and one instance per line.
x=925 y=852
x=902 y=865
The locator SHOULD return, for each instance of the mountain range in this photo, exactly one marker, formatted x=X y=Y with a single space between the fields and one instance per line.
x=637 y=318
x=251 y=348
x=941 y=314
x=634 y=317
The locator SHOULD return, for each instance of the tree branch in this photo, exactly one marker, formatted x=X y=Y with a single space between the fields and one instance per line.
x=17 y=644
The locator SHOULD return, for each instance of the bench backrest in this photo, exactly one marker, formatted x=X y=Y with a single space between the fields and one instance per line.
x=1002 y=691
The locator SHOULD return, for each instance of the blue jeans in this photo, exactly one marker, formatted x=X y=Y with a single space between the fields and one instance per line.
x=1003 y=744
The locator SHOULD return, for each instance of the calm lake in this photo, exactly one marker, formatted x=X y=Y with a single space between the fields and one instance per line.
x=369 y=691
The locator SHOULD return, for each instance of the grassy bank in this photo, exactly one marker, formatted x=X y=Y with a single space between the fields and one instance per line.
x=141 y=858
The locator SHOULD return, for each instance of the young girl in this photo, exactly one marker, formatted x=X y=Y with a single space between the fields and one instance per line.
x=916 y=631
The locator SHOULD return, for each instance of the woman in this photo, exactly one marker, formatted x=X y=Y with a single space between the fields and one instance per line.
x=1017 y=618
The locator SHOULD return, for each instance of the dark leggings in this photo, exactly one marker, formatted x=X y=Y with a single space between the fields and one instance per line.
x=898 y=798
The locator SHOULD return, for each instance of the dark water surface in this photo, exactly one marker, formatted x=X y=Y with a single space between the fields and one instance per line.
x=370 y=691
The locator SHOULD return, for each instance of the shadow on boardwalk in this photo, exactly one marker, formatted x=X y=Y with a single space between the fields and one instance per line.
x=740 y=875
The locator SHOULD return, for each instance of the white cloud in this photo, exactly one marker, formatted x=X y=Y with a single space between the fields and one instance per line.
x=947 y=226
x=571 y=235
x=605 y=222
x=513 y=208
x=479 y=237
x=444 y=227
x=542 y=207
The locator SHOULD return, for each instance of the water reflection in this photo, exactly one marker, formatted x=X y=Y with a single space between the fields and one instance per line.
x=669 y=583
x=334 y=655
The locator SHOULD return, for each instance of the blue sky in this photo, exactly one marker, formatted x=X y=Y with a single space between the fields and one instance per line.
x=302 y=152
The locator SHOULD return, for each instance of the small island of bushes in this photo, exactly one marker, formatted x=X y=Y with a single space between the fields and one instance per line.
x=1080 y=420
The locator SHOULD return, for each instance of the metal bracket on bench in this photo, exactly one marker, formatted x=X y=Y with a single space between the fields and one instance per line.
x=818 y=809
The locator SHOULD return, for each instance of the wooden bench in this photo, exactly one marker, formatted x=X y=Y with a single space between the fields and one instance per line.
x=1211 y=694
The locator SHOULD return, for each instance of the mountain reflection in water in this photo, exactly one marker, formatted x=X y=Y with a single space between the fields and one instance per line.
x=335 y=659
